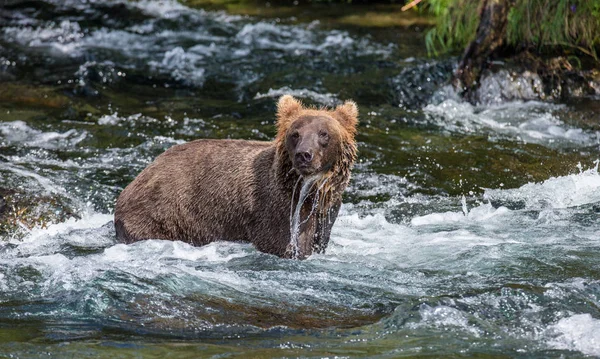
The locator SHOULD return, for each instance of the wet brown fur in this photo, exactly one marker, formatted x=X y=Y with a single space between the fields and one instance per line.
x=209 y=190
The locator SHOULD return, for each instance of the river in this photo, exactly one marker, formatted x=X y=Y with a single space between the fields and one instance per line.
x=467 y=230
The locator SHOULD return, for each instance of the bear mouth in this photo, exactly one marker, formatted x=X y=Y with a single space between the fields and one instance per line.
x=306 y=169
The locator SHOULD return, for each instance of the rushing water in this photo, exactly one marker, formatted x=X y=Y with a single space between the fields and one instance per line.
x=466 y=230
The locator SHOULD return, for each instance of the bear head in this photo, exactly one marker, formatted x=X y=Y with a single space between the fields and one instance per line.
x=316 y=141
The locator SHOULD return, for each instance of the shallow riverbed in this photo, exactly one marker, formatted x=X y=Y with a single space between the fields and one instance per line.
x=466 y=230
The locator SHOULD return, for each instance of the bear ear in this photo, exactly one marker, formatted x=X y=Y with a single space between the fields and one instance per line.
x=348 y=115
x=287 y=107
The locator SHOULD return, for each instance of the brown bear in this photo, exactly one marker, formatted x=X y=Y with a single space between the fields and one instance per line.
x=283 y=196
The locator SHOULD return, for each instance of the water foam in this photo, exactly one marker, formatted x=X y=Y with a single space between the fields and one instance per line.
x=443 y=316
x=441 y=237
x=482 y=213
x=580 y=332
x=189 y=51
x=39 y=237
x=114 y=119
x=297 y=40
x=21 y=133
x=45 y=250
x=183 y=66
x=369 y=257
x=169 y=9
x=556 y=192
x=264 y=35
x=64 y=37
x=504 y=86
x=434 y=245
x=323 y=98
x=530 y=121
x=47 y=185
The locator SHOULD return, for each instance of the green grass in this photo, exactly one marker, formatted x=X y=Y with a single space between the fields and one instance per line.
x=456 y=23
x=571 y=26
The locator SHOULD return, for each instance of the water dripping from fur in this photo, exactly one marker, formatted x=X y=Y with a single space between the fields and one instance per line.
x=295 y=221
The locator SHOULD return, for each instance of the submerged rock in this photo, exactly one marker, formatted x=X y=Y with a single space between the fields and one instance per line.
x=44 y=97
x=21 y=212
x=2 y=206
x=415 y=85
x=553 y=80
x=215 y=313
x=513 y=79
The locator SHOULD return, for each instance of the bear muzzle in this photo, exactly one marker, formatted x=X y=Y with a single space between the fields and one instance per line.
x=305 y=162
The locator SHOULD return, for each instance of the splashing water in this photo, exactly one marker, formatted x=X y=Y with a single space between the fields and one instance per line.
x=295 y=222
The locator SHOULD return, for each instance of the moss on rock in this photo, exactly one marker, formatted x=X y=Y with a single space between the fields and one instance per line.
x=21 y=211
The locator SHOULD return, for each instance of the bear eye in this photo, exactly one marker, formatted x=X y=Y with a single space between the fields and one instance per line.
x=323 y=135
x=295 y=135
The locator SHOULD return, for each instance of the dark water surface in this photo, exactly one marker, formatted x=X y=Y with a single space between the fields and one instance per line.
x=466 y=230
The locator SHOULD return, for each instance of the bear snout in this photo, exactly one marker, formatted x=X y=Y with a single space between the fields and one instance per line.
x=305 y=162
x=303 y=157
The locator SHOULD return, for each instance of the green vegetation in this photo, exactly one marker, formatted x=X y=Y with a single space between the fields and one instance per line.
x=456 y=23
x=540 y=25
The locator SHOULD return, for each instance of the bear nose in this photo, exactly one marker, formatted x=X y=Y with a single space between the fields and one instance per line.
x=304 y=157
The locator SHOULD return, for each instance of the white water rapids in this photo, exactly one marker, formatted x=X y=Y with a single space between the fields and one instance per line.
x=75 y=266
x=466 y=230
